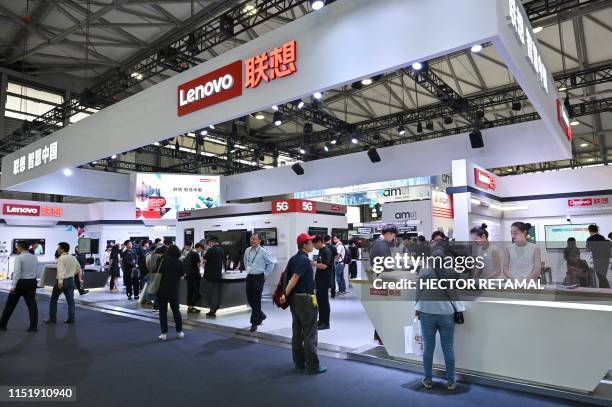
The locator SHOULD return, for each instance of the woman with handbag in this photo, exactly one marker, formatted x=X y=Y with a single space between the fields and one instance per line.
x=438 y=310
x=171 y=270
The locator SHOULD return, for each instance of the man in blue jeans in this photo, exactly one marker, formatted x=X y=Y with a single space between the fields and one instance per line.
x=67 y=268
x=339 y=267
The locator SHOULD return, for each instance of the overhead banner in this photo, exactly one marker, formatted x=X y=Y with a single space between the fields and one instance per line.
x=162 y=196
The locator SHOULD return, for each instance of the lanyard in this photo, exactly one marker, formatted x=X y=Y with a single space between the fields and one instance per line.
x=256 y=253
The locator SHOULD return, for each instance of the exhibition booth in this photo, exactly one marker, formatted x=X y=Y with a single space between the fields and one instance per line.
x=518 y=342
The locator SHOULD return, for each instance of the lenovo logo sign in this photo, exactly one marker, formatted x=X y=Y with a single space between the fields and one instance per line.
x=21 y=210
x=484 y=179
x=214 y=87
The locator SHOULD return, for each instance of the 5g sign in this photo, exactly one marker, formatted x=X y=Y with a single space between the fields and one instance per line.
x=294 y=205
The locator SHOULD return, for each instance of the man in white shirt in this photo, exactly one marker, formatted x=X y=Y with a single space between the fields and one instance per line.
x=67 y=268
x=259 y=264
x=340 y=265
x=23 y=284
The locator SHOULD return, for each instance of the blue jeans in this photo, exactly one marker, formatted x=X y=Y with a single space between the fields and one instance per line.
x=445 y=325
x=340 y=277
x=68 y=291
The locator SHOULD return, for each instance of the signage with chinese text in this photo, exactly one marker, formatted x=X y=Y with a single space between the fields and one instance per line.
x=588 y=201
x=35 y=158
x=484 y=179
x=268 y=66
x=441 y=204
x=31 y=210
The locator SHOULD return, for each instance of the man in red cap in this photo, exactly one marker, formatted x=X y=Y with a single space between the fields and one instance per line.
x=300 y=292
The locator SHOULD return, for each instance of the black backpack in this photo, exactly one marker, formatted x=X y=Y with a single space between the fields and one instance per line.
x=348 y=257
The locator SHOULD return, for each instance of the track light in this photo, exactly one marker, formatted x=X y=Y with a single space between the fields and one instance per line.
x=419 y=127
x=516 y=105
x=354 y=140
x=326 y=147
x=317 y=95
x=574 y=123
x=302 y=150
x=274 y=107
x=366 y=81
x=67 y=172
x=317 y=4
x=94 y=162
x=401 y=130
x=204 y=133
x=429 y=125
x=300 y=104
x=448 y=119
x=260 y=116
x=277 y=118
x=476 y=48
x=417 y=66
x=334 y=141
x=537 y=29
x=298 y=169
x=113 y=156
x=212 y=126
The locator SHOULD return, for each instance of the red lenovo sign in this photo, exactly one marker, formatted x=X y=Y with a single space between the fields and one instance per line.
x=587 y=202
x=484 y=179
x=564 y=120
x=21 y=210
x=214 y=87
x=294 y=205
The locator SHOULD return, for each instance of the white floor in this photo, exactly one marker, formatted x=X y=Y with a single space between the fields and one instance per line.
x=350 y=326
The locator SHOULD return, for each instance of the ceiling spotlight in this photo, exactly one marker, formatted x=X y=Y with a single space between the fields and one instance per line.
x=212 y=126
x=584 y=145
x=326 y=147
x=113 y=156
x=401 y=130
x=537 y=29
x=317 y=95
x=448 y=119
x=334 y=141
x=574 y=123
x=204 y=133
x=417 y=66
x=429 y=125
x=591 y=159
x=354 y=140
x=94 y=162
x=366 y=81
x=274 y=107
x=156 y=143
x=516 y=105
x=317 y=4
x=562 y=88
x=300 y=104
x=259 y=116
x=476 y=48
x=67 y=172
x=302 y=150
x=277 y=118
x=419 y=127
x=250 y=9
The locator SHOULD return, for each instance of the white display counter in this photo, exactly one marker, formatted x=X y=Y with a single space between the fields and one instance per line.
x=554 y=344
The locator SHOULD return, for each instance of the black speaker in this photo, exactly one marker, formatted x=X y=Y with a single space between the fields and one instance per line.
x=227 y=26
x=373 y=154
x=298 y=169
x=476 y=139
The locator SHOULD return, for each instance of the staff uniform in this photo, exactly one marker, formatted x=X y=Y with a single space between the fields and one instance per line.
x=67 y=268
x=23 y=284
x=259 y=264
x=130 y=273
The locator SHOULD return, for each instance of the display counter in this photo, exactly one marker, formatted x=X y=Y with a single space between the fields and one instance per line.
x=93 y=277
x=558 y=344
x=233 y=291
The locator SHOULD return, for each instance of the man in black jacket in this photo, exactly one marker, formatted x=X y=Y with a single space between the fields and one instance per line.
x=143 y=250
x=599 y=247
x=130 y=271
x=192 y=262
x=213 y=270
x=324 y=266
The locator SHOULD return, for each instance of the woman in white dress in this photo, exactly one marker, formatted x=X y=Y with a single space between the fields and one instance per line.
x=491 y=258
x=523 y=257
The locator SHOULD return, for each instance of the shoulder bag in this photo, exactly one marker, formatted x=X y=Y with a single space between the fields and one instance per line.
x=154 y=280
x=458 y=315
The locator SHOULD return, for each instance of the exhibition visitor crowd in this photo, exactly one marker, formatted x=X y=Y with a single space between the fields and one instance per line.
x=152 y=272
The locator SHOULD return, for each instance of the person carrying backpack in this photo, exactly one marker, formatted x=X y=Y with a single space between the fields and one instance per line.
x=332 y=275
x=340 y=263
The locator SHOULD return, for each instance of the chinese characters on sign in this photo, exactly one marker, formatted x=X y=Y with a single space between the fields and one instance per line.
x=31 y=210
x=278 y=63
x=35 y=159
x=484 y=179
x=179 y=189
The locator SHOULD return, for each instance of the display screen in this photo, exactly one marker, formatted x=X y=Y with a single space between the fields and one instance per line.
x=341 y=233
x=84 y=245
x=161 y=196
x=315 y=231
x=35 y=246
x=557 y=235
x=268 y=236
x=234 y=243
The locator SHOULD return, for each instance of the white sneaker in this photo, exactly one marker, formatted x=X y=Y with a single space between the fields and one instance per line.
x=163 y=337
x=181 y=335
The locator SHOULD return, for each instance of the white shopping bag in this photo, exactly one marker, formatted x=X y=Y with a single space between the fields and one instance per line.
x=413 y=339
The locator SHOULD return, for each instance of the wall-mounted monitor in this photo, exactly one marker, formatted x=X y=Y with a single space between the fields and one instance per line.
x=268 y=236
x=317 y=231
x=556 y=235
x=35 y=246
x=137 y=239
x=84 y=245
x=161 y=196
x=209 y=233
x=341 y=233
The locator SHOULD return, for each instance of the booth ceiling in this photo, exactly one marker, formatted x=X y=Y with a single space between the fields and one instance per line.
x=115 y=48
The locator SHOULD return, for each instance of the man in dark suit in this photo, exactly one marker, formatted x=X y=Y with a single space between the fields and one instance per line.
x=213 y=270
